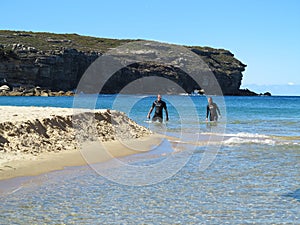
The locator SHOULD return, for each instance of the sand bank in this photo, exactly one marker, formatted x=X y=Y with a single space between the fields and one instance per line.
x=35 y=140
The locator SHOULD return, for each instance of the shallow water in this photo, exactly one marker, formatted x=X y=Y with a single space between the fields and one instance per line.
x=254 y=176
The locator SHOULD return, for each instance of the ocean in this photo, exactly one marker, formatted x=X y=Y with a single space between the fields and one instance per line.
x=243 y=170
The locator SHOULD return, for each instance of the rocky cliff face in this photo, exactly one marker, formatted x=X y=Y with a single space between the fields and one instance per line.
x=222 y=64
x=55 y=70
x=33 y=59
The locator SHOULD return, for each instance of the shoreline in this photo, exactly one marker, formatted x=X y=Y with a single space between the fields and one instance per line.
x=54 y=161
x=36 y=140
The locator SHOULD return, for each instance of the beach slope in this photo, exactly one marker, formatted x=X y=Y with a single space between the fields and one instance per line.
x=35 y=140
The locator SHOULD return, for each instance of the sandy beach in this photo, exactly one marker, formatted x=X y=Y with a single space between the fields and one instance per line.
x=36 y=140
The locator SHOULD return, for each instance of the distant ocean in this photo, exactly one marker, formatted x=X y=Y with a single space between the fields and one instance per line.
x=253 y=177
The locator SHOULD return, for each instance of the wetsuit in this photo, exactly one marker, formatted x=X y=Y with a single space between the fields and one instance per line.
x=159 y=106
x=211 y=110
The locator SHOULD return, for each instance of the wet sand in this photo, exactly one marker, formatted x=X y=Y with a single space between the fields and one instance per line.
x=95 y=151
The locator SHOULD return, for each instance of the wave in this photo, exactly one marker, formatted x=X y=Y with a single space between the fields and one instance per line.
x=255 y=138
x=236 y=140
x=240 y=134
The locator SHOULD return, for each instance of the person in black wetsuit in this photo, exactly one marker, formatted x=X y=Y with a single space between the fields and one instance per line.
x=159 y=105
x=212 y=110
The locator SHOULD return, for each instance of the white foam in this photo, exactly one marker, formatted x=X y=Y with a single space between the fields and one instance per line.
x=249 y=138
x=241 y=134
x=251 y=135
x=238 y=140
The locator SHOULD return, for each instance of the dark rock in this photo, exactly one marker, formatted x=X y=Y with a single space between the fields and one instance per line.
x=266 y=94
x=23 y=34
x=59 y=71
x=246 y=92
x=3 y=140
x=58 y=41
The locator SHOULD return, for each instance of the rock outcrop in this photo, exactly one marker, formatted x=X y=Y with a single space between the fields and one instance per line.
x=54 y=70
x=57 y=62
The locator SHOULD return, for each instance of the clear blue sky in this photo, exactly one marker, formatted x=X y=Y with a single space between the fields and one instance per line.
x=264 y=34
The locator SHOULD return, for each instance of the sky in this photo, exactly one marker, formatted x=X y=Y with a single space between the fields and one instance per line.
x=263 y=34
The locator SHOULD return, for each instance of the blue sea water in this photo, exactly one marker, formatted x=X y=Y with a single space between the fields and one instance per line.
x=253 y=176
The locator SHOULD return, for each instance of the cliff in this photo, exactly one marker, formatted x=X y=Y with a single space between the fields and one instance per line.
x=58 y=61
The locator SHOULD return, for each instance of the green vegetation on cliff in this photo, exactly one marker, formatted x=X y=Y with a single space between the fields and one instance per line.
x=44 y=41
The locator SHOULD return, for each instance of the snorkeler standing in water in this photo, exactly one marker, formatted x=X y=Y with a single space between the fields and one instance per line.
x=159 y=105
x=212 y=110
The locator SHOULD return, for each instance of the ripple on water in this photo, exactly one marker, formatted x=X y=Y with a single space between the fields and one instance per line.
x=245 y=184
